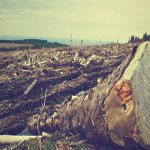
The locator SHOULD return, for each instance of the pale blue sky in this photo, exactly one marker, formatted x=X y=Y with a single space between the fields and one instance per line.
x=105 y=20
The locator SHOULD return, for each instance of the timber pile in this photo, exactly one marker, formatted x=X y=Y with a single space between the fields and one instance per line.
x=35 y=79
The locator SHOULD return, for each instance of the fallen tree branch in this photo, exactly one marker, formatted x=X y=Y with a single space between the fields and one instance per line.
x=4 y=139
x=30 y=87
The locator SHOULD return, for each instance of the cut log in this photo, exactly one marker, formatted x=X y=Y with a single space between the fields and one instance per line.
x=131 y=93
x=116 y=109
x=5 y=139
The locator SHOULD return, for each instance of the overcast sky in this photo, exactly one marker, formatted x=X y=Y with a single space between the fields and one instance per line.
x=106 y=20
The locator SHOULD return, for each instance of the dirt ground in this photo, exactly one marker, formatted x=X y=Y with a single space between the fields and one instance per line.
x=33 y=79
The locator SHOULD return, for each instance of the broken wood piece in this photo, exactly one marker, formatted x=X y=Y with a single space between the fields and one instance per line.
x=42 y=62
x=4 y=139
x=30 y=87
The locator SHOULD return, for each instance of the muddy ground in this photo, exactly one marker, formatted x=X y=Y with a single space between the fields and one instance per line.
x=31 y=79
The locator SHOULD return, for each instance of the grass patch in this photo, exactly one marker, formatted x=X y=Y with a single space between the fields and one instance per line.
x=78 y=147
x=49 y=145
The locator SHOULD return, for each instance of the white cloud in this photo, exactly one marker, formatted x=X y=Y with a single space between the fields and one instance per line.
x=99 y=19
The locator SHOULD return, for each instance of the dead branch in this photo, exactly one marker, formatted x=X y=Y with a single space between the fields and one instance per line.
x=4 y=139
x=30 y=87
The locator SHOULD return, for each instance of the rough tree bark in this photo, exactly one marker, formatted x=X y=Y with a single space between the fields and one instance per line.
x=113 y=109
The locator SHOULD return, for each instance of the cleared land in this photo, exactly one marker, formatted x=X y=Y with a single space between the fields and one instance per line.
x=29 y=77
x=25 y=76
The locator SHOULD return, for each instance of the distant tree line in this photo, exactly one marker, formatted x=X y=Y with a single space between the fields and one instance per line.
x=37 y=43
x=135 y=39
x=5 y=49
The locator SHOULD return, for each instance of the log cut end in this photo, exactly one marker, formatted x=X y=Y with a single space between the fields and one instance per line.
x=119 y=112
x=141 y=89
x=127 y=112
